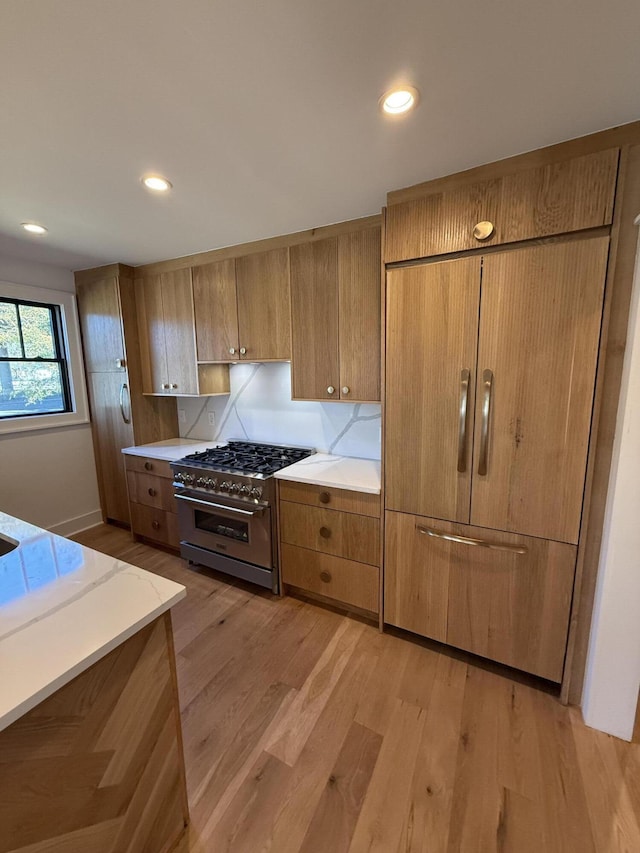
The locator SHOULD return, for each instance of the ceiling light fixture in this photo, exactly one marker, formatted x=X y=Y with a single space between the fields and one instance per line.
x=399 y=100
x=34 y=228
x=156 y=183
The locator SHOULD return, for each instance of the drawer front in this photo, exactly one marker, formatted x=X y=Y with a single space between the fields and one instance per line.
x=346 y=581
x=557 y=198
x=507 y=606
x=152 y=491
x=323 y=496
x=155 y=524
x=343 y=534
x=158 y=467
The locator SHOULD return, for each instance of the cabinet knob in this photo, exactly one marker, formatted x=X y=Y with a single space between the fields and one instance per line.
x=325 y=577
x=325 y=532
x=330 y=389
x=483 y=230
x=121 y=363
x=152 y=492
x=243 y=350
x=324 y=497
x=165 y=386
x=345 y=389
x=174 y=385
x=148 y=466
x=232 y=350
x=155 y=525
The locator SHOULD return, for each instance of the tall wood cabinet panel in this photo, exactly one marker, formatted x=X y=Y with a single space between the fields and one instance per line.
x=432 y=322
x=216 y=311
x=167 y=330
x=539 y=334
x=509 y=602
x=264 y=323
x=120 y=414
x=556 y=198
x=335 y=318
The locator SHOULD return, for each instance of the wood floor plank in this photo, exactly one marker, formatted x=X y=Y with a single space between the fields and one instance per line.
x=378 y=700
x=339 y=808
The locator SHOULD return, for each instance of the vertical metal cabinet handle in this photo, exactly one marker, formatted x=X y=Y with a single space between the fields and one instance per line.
x=487 y=386
x=468 y=540
x=124 y=387
x=462 y=426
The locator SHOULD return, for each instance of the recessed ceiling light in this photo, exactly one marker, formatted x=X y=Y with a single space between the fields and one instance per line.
x=399 y=100
x=34 y=228
x=156 y=183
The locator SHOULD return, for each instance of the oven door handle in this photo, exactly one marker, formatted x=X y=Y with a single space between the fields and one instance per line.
x=211 y=505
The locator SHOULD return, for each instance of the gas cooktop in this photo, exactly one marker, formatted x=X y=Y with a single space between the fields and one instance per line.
x=247 y=457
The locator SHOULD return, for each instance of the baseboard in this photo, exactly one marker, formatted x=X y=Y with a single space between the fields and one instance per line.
x=75 y=525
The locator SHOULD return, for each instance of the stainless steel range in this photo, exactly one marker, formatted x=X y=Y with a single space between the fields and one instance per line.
x=226 y=507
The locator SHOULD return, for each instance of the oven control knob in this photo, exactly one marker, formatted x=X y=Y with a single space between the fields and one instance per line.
x=256 y=492
x=189 y=478
x=201 y=481
x=179 y=477
x=245 y=490
x=235 y=487
x=211 y=484
x=225 y=486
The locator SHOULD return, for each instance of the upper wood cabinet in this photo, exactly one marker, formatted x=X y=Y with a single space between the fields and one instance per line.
x=167 y=339
x=335 y=318
x=242 y=308
x=535 y=323
x=556 y=198
x=101 y=322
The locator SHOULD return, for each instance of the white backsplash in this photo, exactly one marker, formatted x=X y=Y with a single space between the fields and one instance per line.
x=260 y=408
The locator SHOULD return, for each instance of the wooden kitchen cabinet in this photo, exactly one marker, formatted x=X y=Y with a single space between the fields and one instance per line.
x=555 y=198
x=168 y=341
x=330 y=543
x=508 y=601
x=242 y=308
x=152 y=504
x=120 y=414
x=335 y=318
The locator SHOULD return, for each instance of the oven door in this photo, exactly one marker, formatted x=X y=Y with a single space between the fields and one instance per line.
x=244 y=534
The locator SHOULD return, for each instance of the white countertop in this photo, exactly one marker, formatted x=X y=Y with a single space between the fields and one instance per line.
x=171 y=448
x=62 y=608
x=340 y=472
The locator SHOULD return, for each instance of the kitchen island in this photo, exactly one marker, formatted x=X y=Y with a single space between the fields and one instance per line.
x=90 y=741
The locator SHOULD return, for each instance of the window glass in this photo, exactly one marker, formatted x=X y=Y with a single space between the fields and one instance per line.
x=9 y=332
x=37 y=331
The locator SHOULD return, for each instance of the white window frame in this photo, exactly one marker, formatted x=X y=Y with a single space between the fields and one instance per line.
x=79 y=413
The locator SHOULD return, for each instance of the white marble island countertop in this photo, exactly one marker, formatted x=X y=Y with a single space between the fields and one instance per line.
x=171 y=448
x=340 y=472
x=62 y=608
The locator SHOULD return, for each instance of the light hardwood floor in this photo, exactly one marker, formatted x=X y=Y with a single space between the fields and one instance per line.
x=309 y=732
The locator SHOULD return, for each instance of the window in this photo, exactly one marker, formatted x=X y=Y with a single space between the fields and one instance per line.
x=41 y=375
x=34 y=378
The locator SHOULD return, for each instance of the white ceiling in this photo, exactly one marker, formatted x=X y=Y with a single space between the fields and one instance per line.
x=263 y=113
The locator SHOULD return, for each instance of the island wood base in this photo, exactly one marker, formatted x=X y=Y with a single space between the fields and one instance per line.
x=98 y=766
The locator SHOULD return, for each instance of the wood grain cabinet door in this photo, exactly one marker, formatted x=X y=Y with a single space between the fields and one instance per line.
x=179 y=332
x=153 y=348
x=432 y=326
x=314 y=321
x=264 y=319
x=539 y=334
x=216 y=311
x=359 y=315
x=101 y=323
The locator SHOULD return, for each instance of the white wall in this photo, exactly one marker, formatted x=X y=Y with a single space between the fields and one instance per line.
x=260 y=408
x=48 y=477
x=613 y=664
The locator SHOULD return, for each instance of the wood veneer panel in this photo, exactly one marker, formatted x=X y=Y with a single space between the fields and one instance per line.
x=264 y=305
x=216 y=311
x=179 y=331
x=432 y=321
x=344 y=500
x=115 y=785
x=539 y=333
x=101 y=324
x=343 y=534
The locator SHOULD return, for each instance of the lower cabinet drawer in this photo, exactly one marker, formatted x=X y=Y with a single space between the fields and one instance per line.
x=155 y=524
x=343 y=534
x=345 y=581
x=509 y=602
x=151 y=490
x=158 y=467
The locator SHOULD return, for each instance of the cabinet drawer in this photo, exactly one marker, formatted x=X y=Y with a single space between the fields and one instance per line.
x=155 y=524
x=148 y=466
x=327 y=497
x=343 y=580
x=150 y=490
x=344 y=534
x=553 y=199
x=507 y=606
